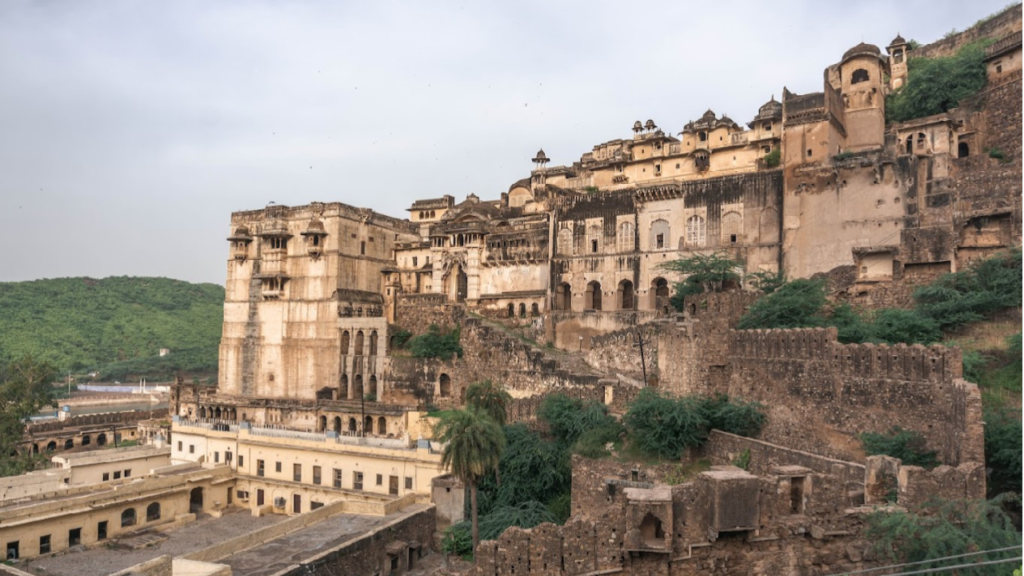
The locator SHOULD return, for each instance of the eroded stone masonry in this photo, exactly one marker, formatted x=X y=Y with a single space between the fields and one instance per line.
x=557 y=283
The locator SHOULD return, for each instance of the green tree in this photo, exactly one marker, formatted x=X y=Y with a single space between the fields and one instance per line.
x=907 y=445
x=704 y=273
x=569 y=418
x=936 y=85
x=1003 y=451
x=25 y=388
x=970 y=295
x=664 y=426
x=894 y=325
x=531 y=469
x=767 y=282
x=436 y=343
x=473 y=447
x=944 y=528
x=797 y=304
x=489 y=398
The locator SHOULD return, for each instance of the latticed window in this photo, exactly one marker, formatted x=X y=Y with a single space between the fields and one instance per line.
x=659 y=235
x=625 y=237
x=732 y=226
x=696 y=232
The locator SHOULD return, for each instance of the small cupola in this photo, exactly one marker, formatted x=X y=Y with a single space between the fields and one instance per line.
x=315 y=235
x=240 y=240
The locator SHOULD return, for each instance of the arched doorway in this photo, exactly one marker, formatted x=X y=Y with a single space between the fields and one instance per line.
x=563 y=297
x=51 y=446
x=373 y=385
x=357 y=387
x=195 y=501
x=651 y=531
x=461 y=286
x=368 y=425
x=352 y=425
x=593 y=295
x=359 y=344
x=382 y=426
x=70 y=443
x=659 y=293
x=624 y=295
x=511 y=310
x=522 y=309
x=153 y=512
x=337 y=424
x=86 y=440
x=35 y=448
x=373 y=343
x=101 y=440
x=534 y=309
x=445 y=386
x=345 y=341
x=128 y=518
x=216 y=413
x=202 y=412
x=322 y=424
x=963 y=150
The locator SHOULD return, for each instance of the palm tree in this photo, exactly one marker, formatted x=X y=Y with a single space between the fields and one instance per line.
x=490 y=398
x=473 y=446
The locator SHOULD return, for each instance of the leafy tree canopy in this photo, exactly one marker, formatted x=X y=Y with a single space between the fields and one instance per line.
x=436 y=343
x=704 y=273
x=907 y=445
x=796 y=304
x=489 y=398
x=25 y=388
x=936 y=85
x=970 y=295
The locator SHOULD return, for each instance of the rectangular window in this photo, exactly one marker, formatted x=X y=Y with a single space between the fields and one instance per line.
x=796 y=495
x=362 y=248
x=660 y=240
x=657 y=168
x=337 y=478
x=117 y=474
x=216 y=456
x=127 y=473
x=44 y=544
x=357 y=480
x=314 y=505
x=593 y=246
x=239 y=460
x=414 y=261
x=277 y=466
x=191 y=449
x=179 y=445
x=13 y=550
x=227 y=457
x=75 y=535
x=408 y=483
x=380 y=479
x=297 y=472
x=106 y=476
x=316 y=475
x=259 y=467
x=101 y=530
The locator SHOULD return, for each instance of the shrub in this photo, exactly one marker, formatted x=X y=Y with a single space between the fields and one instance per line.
x=530 y=469
x=593 y=443
x=907 y=445
x=704 y=273
x=935 y=85
x=740 y=418
x=894 y=325
x=851 y=326
x=773 y=158
x=1003 y=451
x=400 y=337
x=767 y=282
x=663 y=426
x=996 y=153
x=436 y=344
x=794 y=305
x=970 y=295
x=569 y=418
x=525 y=515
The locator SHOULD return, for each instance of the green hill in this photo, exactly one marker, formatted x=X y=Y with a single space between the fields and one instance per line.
x=116 y=325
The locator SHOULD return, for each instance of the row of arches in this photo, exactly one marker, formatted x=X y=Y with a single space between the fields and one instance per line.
x=356 y=390
x=352 y=426
x=625 y=296
x=357 y=347
x=129 y=517
x=534 y=310
x=69 y=443
x=218 y=413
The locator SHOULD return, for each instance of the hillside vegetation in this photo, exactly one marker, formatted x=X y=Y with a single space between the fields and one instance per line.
x=116 y=325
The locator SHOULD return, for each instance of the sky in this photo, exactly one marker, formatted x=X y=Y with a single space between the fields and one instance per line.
x=130 y=130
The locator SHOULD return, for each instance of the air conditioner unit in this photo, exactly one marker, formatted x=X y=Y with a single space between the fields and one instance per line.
x=279 y=502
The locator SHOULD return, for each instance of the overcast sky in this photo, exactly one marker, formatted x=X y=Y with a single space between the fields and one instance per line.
x=130 y=130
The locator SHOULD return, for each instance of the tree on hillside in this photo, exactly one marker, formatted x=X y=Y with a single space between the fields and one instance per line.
x=25 y=388
x=473 y=446
x=936 y=85
x=489 y=398
x=796 y=304
x=704 y=273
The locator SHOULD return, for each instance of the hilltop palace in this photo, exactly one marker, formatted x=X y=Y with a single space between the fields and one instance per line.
x=319 y=405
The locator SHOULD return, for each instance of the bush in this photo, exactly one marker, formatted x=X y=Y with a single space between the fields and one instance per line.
x=936 y=85
x=851 y=327
x=907 y=445
x=1003 y=451
x=796 y=304
x=894 y=325
x=436 y=344
x=663 y=426
x=767 y=282
x=530 y=469
x=740 y=418
x=968 y=296
x=704 y=273
x=593 y=443
x=947 y=528
x=569 y=418
x=459 y=540
x=400 y=337
x=773 y=158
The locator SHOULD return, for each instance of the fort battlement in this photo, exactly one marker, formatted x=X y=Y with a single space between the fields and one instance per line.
x=95 y=419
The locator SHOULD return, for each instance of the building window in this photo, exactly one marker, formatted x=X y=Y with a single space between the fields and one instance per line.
x=380 y=479
x=127 y=473
x=337 y=478
x=659 y=234
x=767 y=126
x=128 y=518
x=593 y=246
x=191 y=448
x=695 y=231
x=216 y=456
x=660 y=240
x=44 y=544
x=362 y=248
x=106 y=476
x=810 y=152
x=297 y=472
x=357 y=480
x=13 y=549
x=408 y=483
x=239 y=460
x=179 y=445
x=859 y=75
x=101 y=532
x=415 y=261
x=153 y=512
x=259 y=467
x=732 y=225
x=657 y=169
x=117 y=475
x=316 y=475
x=277 y=467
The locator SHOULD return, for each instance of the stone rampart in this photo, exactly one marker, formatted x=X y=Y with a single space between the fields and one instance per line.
x=94 y=419
x=996 y=27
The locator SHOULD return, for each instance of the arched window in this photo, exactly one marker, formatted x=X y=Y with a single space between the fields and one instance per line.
x=659 y=288
x=625 y=239
x=373 y=343
x=732 y=227
x=897 y=56
x=910 y=144
x=322 y=424
x=373 y=384
x=444 y=385
x=565 y=241
x=357 y=387
x=101 y=440
x=563 y=297
x=86 y=440
x=702 y=136
x=368 y=425
x=660 y=235
x=359 y=344
x=522 y=309
x=701 y=161
x=511 y=310
x=593 y=296
x=382 y=426
x=352 y=426
x=920 y=139
x=859 y=75
x=51 y=446
x=153 y=512
x=345 y=342
x=128 y=518
x=652 y=532
x=534 y=309
x=594 y=239
x=963 y=150
x=695 y=231
x=624 y=295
